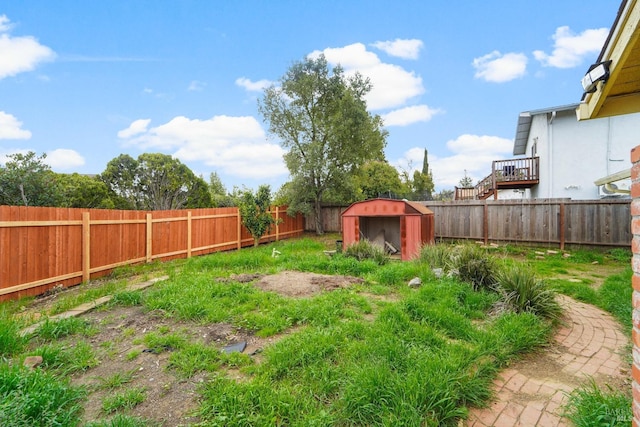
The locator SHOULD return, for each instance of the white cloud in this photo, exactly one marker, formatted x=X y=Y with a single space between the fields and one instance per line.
x=196 y=86
x=569 y=49
x=5 y=24
x=409 y=115
x=251 y=86
x=473 y=153
x=64 y=159
x=402 y=48
x=233 y=145
x=11 y=128
x=393 y=86
x=19 y=54
x=135 y=128
x=498 y=68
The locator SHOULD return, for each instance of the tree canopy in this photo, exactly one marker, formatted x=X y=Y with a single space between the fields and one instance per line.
x=321 y=119
x=154 y=181
x=379 y=179
x=26 y=180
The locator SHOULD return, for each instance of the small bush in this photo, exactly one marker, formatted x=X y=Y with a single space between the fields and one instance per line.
x=363 y=250
x=525 y=293
x=590 y=406
x=473 y=265
x=436 y=256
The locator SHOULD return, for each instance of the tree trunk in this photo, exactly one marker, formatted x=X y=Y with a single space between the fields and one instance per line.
x=318 y=214
x=256 y=242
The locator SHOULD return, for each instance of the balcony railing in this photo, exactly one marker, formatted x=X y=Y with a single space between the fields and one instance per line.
x=505 y=174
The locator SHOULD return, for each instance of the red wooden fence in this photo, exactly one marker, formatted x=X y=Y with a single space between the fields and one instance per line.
x=43 y=247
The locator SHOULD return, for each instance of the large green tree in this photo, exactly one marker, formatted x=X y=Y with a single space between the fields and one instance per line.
x=154 y=181
x=320 y=117
x=26 y=180
x=83 y=191
x=379 y=179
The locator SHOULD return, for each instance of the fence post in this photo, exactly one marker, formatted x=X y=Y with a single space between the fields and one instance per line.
x=277 y=224
x=485 y=222
x=239 y=230
x=149 y=237
x=86 y=247
x=561 y=225
x=189 y=234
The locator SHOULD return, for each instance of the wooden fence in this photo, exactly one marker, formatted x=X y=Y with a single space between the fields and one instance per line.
x=557 y=222
x=43 y=247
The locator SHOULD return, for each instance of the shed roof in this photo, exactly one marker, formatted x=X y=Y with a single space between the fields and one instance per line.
x=386 y=207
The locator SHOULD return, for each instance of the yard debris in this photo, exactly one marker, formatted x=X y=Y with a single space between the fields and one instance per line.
x=235 y=348
x=275 y=253
x=551 y=252
x=566 y=255
x=539 y=253
x=415 y=282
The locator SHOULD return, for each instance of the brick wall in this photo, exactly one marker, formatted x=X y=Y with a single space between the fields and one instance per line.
x=635 y=262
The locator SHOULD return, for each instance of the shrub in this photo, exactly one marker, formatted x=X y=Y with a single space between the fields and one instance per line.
x=365 y=250
x=473 y=265
x=525 y=293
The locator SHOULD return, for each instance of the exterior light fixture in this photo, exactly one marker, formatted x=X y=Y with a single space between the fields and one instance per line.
x=597 y=72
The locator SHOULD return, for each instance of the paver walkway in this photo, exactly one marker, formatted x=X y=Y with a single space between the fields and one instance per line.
x=589 y=344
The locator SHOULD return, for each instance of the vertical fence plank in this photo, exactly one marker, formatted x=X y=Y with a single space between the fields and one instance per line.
x=189 y=228
x=239 y=229
x=149 y=236
x=86 y=247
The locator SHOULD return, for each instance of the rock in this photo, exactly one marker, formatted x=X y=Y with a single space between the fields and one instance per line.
x=32 y=362
x=595 y=262
x=551 y=252
x=539 y=253
x=438 y=272
x=566 y=255
x=415 y=282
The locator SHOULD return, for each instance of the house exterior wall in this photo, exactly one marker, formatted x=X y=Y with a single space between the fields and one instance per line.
x=574 y=154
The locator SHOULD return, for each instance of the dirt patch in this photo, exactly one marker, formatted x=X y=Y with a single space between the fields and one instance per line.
x=171 y=399
x=301 y=285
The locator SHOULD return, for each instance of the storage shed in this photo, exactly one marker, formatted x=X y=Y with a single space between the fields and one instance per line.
x=401 y=227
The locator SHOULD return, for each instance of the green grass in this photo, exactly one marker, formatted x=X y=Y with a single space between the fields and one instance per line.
x=55 y=329
x=116 y=380
x=37 y=398
x=375 y=353
x=125 y=399
x=120 y=420
x=590 y=406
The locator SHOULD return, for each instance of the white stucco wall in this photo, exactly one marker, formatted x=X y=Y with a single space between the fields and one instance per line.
x=574 y=154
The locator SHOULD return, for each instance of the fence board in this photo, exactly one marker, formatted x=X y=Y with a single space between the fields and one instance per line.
x=42 y=247
x=605 y=222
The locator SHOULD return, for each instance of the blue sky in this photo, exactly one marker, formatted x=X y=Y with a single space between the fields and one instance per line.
x=85 y=81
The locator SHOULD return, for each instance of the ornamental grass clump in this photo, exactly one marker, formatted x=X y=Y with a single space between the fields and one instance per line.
x=364 y=249
x=523 y=292
x=473 y=265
